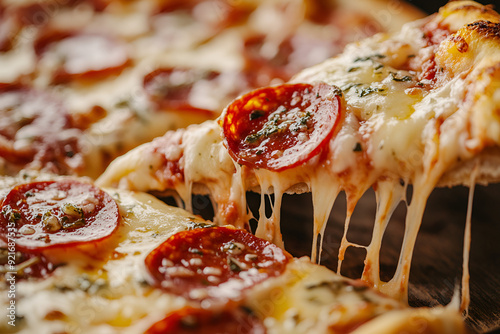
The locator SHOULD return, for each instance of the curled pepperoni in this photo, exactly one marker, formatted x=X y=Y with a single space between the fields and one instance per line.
x=280 y=127
x=82 y=56
x=36 y=128
x=215 y=263
x=191 y=320
x=43 y=215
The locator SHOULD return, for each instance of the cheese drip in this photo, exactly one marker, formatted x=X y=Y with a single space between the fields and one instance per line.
x=388 y=195
x=323 y=199
x=465 y=300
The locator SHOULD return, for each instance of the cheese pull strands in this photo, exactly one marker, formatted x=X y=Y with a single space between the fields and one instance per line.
x=414 y=107
x=388 y=195
x=465 y=295
x=322 y=205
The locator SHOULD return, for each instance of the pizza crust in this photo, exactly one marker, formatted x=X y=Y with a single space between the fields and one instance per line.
x=486 y=162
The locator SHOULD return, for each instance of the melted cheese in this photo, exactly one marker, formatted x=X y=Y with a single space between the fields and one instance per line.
x=106 y=292
x=146 y=38
x=410 y=130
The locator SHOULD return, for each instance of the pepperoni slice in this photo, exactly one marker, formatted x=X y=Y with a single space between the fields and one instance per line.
x=191 y=320
x=82 y=56
x=36 y=128
x=280 y=127
x=215 y=263
x=43 y=215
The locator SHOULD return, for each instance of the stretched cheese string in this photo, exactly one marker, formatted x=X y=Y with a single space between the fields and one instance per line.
x=324 y=195
x=352 y=197
x=388 y=194
x=465 y=300
x=269 y=228
x=398 y=285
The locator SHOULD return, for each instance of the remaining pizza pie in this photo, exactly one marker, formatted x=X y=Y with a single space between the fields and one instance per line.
x=84 y=81
x=416 y=107
x=80 y=259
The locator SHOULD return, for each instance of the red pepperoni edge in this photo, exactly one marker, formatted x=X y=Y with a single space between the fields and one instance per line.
x=49 y=214
x=281 y=127
x=191 y=320
x=197 y=264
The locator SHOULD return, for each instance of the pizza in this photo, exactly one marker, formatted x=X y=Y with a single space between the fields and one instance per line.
x=83 y=82
x=416 y=107
x=84 y=259
x=87 y=81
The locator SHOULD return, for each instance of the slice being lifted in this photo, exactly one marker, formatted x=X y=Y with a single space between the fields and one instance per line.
x=120 y=73
x=162 y=270
x=416 y=107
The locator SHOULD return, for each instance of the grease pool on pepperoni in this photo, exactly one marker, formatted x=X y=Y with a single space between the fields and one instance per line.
x=50 y=214
x=281 y=127
x=82 y=56
x=191 y=320
x=216 y=263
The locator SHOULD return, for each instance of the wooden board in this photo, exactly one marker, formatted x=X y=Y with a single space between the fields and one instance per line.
x=437 y=262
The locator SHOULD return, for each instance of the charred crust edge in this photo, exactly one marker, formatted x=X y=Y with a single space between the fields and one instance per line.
x=486 y=29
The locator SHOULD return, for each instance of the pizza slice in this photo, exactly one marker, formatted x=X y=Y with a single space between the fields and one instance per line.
x=84 y=81
x=78 y=258
x=414 y=107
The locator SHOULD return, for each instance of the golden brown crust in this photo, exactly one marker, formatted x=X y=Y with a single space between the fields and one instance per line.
x=487 y=163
